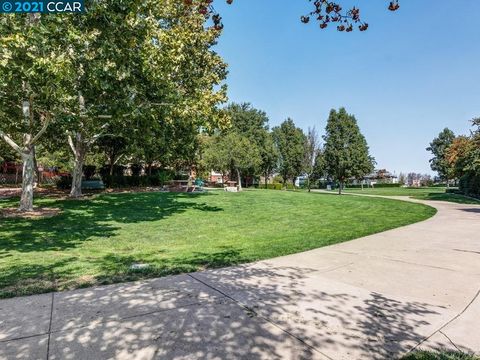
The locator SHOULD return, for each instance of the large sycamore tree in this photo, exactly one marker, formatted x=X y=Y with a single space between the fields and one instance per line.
x=143 y=67
x=35 y=74
x=346 y=152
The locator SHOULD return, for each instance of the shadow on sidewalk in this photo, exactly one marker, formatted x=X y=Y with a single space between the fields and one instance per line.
x=182 y=317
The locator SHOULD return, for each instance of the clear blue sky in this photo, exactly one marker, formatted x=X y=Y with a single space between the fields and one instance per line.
x=413 y=73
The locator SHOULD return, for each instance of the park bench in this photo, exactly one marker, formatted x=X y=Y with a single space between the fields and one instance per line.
x=93 y=185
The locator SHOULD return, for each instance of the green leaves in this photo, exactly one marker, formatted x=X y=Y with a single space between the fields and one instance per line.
x=346 y=151
x=290 y=142
x=438 y=147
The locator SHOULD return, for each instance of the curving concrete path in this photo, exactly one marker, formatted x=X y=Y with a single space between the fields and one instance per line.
x=372 y=298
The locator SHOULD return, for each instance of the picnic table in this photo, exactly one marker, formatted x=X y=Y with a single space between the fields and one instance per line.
x=183 y=185
x=231 y=186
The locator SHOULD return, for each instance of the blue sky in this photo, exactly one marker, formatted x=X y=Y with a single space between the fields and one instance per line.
x=413 y=73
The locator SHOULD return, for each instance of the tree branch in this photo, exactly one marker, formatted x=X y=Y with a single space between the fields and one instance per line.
x=10 y=142
x=70 y=142
x=46 y=121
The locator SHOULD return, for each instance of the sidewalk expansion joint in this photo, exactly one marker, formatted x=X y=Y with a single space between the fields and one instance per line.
x=439 y=330
x=250 y=310
x=50 y=326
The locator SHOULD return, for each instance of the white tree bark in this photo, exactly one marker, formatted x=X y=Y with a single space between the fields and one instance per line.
x=239 y=180
x=28 y=169
x=79 y=152
x=28 y=178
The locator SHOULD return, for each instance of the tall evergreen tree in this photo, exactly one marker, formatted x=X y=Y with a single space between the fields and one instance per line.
x=290 y=141
x=269 y=158
x=346 y=151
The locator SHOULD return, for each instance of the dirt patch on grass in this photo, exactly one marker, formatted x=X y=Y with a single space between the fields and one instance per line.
x=37 y=213
x=9 y=192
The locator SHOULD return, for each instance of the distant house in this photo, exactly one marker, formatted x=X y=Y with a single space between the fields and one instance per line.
x=216 y=177
x=381 y=176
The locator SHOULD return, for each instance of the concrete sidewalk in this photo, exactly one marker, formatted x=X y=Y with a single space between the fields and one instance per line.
x=374 y=297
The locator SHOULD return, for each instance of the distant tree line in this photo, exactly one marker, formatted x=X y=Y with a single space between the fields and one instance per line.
x=249 y=149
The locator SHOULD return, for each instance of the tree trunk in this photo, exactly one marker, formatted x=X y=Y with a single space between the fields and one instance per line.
x=79 y=150
x=28 y=178
x=448 y=183
x=340 y=187
x=111 y=160
x=308 y=184
x=266 y=181
x=35 y=164
x=239 y=180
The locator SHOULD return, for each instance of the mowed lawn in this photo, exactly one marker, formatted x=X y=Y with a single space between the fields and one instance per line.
x=398 y=191
x=96 y=241
x=424 y=193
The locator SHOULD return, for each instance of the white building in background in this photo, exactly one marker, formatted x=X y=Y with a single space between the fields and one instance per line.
x=381 y=176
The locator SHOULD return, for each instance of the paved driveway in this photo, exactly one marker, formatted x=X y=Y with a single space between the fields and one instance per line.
x=374 y=297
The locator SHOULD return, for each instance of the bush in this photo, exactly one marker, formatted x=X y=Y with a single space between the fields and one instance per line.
x=121 y=181
x=136 y=169
x=470 y=184
x=453 y=191
x=164 y=176
x=181 y=177
x=118 y=170
x=64 y=182
x=269 y=186
x=89 y=171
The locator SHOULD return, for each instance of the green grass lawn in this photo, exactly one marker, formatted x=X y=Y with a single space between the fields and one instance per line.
x=425 y=193
x=459 y=199
x=95 y=241
x=442 y=355
x=398 y=191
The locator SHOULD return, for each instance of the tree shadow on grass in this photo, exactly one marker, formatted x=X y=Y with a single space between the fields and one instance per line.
x=18 y=280
x=82 y=220
x=118 y=268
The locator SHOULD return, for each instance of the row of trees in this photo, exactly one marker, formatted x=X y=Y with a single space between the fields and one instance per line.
x=250 y=149
x=142 y=70
x=458 y=157
x=127 y=69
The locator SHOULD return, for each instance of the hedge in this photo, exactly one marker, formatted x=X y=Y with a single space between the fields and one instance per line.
x=121 y=181
x=275 y=186
x=374 y=186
